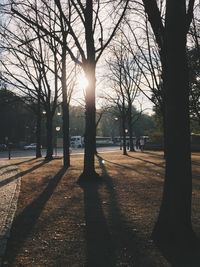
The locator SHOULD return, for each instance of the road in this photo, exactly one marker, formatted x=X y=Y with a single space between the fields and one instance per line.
x=31 y=153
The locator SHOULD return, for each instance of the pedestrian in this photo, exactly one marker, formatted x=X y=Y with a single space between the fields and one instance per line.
x=137 y=144
x=128 y=145
x=142 y=144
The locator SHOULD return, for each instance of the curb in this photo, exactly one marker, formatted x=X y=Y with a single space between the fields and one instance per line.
x=8 y=210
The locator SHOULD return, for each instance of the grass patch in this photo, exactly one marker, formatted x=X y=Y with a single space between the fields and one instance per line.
x=109 y=223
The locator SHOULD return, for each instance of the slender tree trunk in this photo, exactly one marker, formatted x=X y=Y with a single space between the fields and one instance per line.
x=130 y=128
x=174 y=221
x=38 y=134
x=66 y=141
x=38 y=122
x=124 y=132
x=49 y=133
x=65 y=111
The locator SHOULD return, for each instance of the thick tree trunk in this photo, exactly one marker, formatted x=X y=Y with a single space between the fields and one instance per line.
x=49 y=133
x=90 y=126
x=90 y=112
x=174 y=221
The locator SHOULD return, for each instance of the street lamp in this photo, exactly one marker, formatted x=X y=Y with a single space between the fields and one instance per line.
x=127 y=142
x=57 y=130
x=8 y=146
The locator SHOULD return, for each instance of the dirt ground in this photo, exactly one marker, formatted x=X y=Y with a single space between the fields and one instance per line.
x=109 y=223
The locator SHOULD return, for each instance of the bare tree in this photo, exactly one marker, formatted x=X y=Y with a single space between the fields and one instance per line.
x=32 y=68
x=88 y=18
x=126 y=78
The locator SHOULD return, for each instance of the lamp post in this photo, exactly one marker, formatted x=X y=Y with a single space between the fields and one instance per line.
x=120 y=131
x=127 y=141
x=57 y=130
x=8 y=146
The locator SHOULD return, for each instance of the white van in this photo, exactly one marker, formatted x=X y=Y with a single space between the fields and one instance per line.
x=76 y=141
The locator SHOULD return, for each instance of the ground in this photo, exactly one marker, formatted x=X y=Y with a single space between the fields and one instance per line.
x=107 y=223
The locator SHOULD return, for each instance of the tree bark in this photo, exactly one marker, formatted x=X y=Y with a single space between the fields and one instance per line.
x=65 y=110
x=89 y=67
x=38 y=135
x=130 y=128
x=174 y=219
x=38 y=126
x=49 y=133
x=90 y=125
x=124 y=150
x=66 y=141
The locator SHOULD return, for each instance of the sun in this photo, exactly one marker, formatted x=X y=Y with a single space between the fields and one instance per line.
x=82 y=81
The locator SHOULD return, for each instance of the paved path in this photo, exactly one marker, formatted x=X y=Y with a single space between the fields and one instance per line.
x=9 y=192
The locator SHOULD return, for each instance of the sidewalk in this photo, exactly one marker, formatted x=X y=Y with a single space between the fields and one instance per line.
x=9 y=192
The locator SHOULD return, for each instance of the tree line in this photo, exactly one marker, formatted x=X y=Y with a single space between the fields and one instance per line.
x=151 y=44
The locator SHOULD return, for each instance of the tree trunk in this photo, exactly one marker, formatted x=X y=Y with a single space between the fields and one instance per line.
x=130 y=128
x=90 y=113
x=124 y=151
x=174 y=221
x=38 y=122
x=65 y=111
x=38 y=134
x=90 y=126
x=49 y=133
x=66 y=141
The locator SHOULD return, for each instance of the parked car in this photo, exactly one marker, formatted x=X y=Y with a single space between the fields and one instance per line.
x=3 y=147
x=30 y=146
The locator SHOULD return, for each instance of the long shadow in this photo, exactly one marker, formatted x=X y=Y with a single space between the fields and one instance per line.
x=16 y=164
x=27 y=219
x=98 y=238
x=124 y=237
x=154 y=154
x=195 y=154
x=131 y=168
x=6 y=171
x=118 y=165
x=110 y=241
x=186 y=253
x=195 y=163
x=20 y=174
x=148 y=161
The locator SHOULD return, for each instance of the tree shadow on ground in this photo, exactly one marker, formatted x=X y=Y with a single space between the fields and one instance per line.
x=135 y=168
x=181 y=253
x=155 y=155
x=111 y=240
x=27 y=219
x=98 y=237
x=17 y=163
x=148 y=161
x=195 y=163
x=20 y=174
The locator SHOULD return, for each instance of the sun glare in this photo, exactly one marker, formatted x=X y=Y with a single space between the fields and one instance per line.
x=82 y=82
